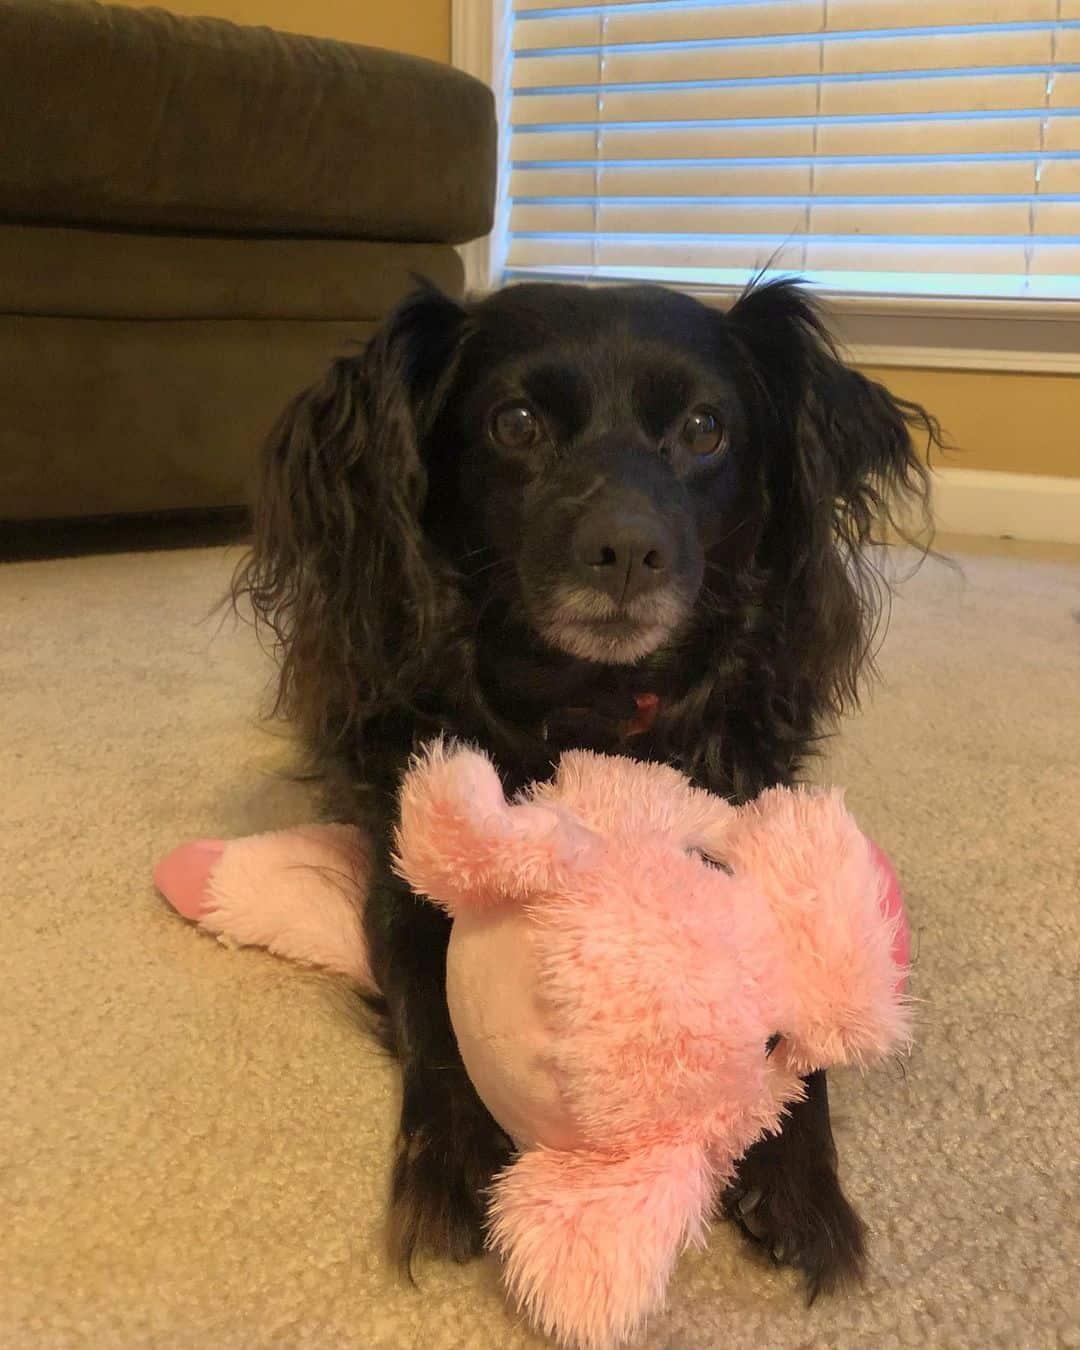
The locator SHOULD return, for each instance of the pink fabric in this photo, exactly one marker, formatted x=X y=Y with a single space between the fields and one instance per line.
x=459 y=830
x=590 y=1240
x=611 y=989
x=829 y=896
x=893 y=908
x=183 y=876
x=294 y=892
x=494 y=992
x=633 y=1030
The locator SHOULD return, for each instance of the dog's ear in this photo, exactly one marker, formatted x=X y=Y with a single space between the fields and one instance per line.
x=339 y=570
x=842 y=471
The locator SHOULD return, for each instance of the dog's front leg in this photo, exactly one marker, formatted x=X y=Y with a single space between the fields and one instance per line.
x=787 y=1196
x=448 y=1147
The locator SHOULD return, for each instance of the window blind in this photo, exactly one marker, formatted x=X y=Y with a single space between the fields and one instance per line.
x=898 y=146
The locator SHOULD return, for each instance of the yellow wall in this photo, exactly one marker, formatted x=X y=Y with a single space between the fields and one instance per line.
x=421 y=27
x=1019 y=422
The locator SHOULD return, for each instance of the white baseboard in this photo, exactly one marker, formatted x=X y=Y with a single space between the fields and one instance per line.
x=1019 y=505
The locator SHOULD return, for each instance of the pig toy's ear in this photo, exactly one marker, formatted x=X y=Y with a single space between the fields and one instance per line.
x=464 y=846
x=840 y=923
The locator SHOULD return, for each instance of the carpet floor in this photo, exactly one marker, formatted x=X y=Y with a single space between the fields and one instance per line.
x=194 y=1141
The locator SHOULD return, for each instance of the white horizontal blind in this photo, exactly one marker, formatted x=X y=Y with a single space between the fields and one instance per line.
x=898 y=146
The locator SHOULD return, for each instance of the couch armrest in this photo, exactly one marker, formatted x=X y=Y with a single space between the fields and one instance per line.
x=113 y=116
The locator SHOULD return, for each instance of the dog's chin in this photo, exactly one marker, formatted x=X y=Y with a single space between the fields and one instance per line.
x=586 y=624
x=605 y=644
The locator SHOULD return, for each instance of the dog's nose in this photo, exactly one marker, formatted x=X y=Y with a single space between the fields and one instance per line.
x=623 y=554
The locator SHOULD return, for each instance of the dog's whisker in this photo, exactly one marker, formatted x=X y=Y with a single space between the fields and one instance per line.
x=725 y=537
x=492 y=566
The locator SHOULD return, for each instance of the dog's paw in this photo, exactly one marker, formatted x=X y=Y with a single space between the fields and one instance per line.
x=802 y=1220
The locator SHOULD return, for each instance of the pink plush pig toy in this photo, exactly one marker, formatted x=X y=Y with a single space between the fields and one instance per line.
x=624 y=948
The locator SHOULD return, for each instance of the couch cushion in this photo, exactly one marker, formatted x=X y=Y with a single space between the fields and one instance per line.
x=111 y=416
x=135 y=117
x=84 y=273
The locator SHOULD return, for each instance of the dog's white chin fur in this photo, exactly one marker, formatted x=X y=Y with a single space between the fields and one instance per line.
x=589 y=645
x=576 y=617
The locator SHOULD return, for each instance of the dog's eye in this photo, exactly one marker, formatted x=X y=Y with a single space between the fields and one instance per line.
x=704 y=432
x=515 y=426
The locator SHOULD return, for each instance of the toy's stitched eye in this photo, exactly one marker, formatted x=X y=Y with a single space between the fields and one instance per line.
x=772 y=1043
x=704 y=433
x=707 y=858
x=515 y=426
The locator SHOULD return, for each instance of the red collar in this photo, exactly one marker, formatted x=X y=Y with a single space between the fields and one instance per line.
x=648 y=705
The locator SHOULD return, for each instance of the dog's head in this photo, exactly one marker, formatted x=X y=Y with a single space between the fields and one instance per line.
x=588 y=455
x=597 y=466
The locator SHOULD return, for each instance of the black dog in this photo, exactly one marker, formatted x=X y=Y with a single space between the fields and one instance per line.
x=610 y=518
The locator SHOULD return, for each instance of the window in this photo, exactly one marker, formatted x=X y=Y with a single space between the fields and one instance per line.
x=898 y=147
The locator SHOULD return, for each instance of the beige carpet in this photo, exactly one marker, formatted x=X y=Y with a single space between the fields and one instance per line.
x=194 y=1142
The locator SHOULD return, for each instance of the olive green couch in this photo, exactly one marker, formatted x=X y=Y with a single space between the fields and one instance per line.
x=194 y=217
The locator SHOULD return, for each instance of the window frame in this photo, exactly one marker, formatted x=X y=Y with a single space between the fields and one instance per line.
x=884 y=330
